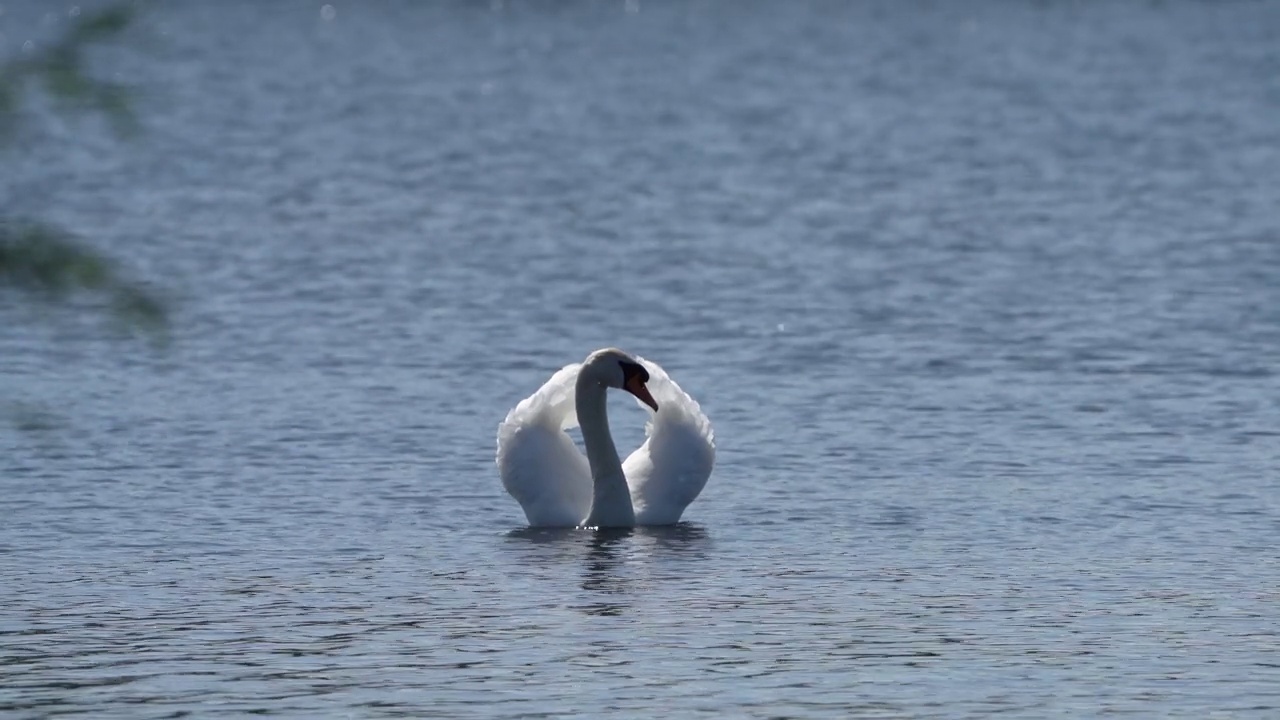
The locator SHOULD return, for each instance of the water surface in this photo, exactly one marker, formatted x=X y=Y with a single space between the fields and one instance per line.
x=981 y=299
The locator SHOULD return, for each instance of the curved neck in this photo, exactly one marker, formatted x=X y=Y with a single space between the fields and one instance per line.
x=611 y=499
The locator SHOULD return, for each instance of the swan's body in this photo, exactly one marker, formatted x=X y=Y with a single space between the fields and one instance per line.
x=558 y=486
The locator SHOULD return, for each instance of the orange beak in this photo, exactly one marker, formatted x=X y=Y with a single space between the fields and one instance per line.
x=636 y=387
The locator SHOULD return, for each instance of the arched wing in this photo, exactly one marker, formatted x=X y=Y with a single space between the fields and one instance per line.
x=670 y=469
x=538 y=462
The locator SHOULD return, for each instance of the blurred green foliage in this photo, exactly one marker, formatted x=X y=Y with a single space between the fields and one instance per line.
x=50 y=265
x=39 y=261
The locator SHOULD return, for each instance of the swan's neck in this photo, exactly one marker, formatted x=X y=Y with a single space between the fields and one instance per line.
x=611 y=500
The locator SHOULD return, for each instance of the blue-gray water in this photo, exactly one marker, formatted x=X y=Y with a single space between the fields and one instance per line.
x=982 y=298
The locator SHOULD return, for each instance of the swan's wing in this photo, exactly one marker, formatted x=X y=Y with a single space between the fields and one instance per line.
x=539 y=464
x=669 y=470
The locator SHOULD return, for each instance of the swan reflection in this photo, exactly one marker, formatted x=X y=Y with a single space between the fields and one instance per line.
x=619 y=564
x=604 y=573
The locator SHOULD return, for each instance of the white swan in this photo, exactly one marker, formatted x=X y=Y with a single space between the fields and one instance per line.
x=558 y=487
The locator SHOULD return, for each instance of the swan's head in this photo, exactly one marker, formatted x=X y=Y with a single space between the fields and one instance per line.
x=616 y=369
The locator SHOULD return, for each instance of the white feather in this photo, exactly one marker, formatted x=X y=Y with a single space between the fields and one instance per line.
x=549 y=476
x=539 y=464
x=670 y=469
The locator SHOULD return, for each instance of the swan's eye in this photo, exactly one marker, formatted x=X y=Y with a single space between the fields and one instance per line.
x=630 y=370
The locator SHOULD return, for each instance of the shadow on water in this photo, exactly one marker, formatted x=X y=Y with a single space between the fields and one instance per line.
x=681 y=537
x=614 y=556
x=604 y=575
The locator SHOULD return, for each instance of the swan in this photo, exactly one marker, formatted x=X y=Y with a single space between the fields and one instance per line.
x=557 y=486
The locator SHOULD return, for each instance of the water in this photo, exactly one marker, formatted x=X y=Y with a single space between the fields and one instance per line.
x=980 y=297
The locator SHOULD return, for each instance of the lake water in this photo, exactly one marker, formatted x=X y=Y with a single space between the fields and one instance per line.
x=982 y=298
